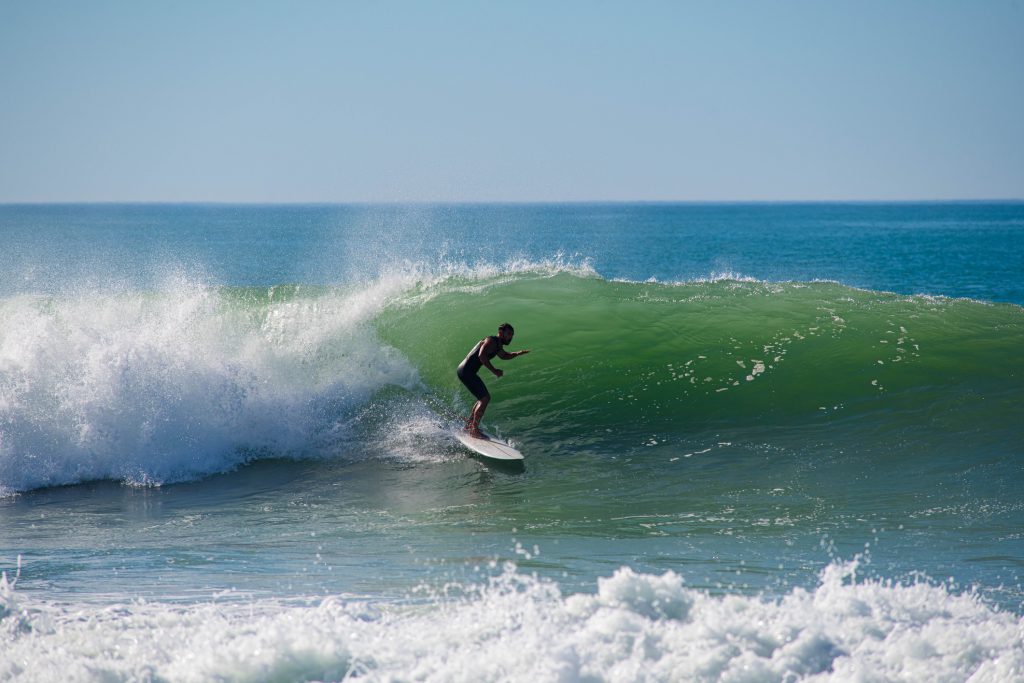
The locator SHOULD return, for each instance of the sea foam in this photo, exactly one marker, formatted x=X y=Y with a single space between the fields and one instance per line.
x=514 y=627
x=179 y=383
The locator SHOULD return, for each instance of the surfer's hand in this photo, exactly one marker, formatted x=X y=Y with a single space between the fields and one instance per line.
x=523 y=352
x=498 y=373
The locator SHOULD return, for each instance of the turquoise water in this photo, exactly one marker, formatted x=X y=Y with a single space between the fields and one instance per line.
x=764 y=442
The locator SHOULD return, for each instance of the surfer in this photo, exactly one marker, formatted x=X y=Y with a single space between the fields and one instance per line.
x=481 y=354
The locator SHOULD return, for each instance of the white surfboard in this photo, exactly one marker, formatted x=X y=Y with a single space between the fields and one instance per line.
x=489 y=447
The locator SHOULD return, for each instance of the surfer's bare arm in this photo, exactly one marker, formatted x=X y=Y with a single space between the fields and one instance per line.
x=485 y=361
x=509 y=355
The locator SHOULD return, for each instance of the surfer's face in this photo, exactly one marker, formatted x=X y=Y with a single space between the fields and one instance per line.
x=506 y=336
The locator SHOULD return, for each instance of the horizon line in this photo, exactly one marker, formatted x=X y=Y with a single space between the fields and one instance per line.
x=496 y=202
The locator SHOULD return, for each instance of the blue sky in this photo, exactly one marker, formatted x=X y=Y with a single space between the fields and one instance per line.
x=510 y=101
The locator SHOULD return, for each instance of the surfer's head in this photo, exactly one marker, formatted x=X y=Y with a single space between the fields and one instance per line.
x=505 y=333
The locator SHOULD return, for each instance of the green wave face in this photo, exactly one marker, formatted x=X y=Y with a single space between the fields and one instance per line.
x=633 y=359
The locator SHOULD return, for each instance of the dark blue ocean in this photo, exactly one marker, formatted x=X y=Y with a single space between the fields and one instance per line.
x=764 y=442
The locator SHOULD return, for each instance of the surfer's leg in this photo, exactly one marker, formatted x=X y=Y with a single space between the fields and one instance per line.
x=478 y=414
x=476 y=387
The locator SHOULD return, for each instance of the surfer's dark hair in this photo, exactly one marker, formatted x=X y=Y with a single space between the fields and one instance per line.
x=505 y=326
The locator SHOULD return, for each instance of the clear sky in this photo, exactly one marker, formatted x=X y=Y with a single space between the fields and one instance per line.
x=250 y=101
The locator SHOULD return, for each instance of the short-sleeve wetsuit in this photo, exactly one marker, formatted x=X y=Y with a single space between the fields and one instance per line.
x=470 y=366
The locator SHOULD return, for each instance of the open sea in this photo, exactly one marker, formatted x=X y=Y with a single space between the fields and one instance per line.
x=764 y=442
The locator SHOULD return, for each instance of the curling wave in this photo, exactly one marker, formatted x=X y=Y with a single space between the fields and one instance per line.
x=189 y=380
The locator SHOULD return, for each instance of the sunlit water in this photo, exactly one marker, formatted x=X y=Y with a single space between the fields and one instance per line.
x=763 y=442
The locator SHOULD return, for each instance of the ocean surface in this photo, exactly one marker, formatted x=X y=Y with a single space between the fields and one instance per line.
x=764 y=442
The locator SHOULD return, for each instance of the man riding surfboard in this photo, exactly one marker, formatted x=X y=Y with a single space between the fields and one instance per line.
x=481 y=355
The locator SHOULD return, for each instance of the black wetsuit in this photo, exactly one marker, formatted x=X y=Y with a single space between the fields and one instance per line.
x=470 y=366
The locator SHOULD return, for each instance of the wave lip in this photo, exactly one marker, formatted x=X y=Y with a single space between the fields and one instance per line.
x=516 y=627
